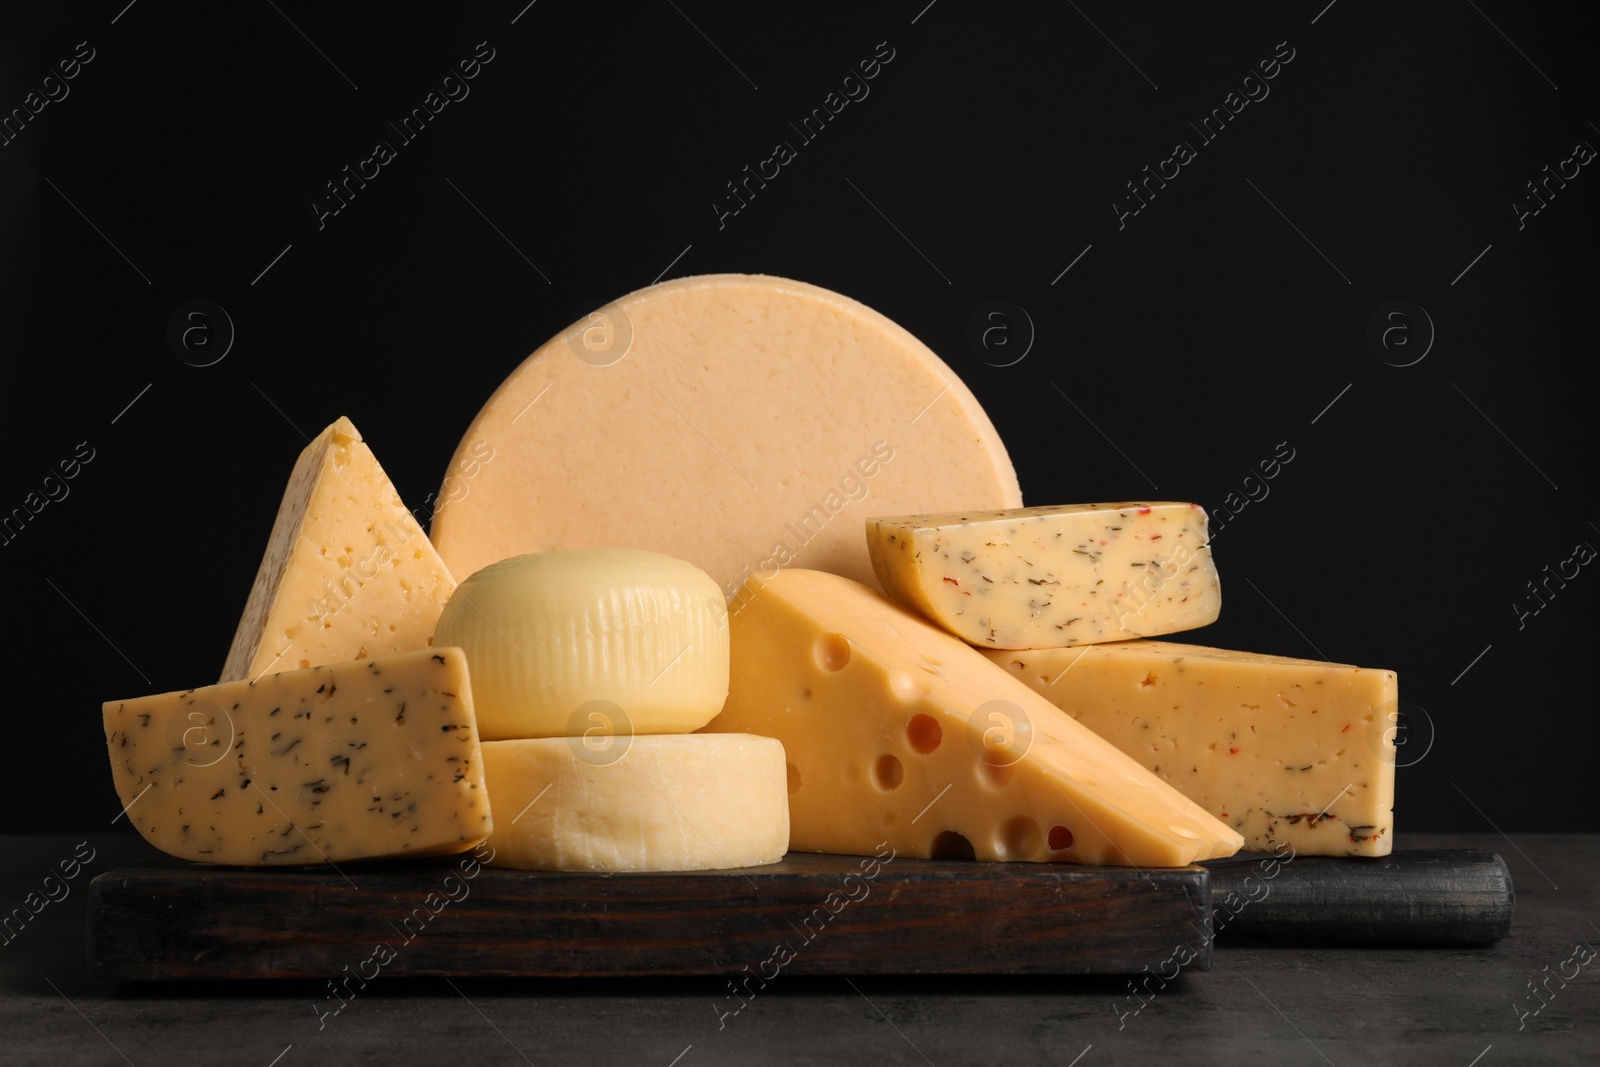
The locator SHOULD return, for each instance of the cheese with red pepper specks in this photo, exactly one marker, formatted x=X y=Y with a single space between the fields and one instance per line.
x=1283 y=750
x=1076 y=574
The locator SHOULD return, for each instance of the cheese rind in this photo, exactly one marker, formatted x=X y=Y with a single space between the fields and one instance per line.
x=348 y=572
x=1283 y=750
x=665 y=802
x=1052 y=576
x=897 y=731
x=549 y=634
x=364 y=760
x=741 y=422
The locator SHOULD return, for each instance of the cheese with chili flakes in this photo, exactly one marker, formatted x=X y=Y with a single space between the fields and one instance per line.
x=1047 y=577
x=1283 y=750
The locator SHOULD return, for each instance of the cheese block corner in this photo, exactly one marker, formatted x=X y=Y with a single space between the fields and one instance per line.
x=1289 y=752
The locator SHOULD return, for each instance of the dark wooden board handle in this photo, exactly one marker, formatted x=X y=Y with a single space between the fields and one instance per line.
x=1420 y=897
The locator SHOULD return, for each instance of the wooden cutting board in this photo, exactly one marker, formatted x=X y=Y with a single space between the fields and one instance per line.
x=169 y=919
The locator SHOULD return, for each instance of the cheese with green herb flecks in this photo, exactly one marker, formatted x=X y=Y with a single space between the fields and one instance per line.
x=376 y=758
x=1049 y=577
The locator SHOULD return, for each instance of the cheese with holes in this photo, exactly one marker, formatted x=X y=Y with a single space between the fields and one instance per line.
x=553 y=638
x=351 y=761
x=743 y=423
x=1286 y=751
x=347 y=573
x=897 y=731
x=1053 y=576
x=664 y=802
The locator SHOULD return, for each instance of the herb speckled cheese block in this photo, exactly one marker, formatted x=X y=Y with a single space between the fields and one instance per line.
x=555 y=637
x=665 y=802
x=1286 y=751
x=743 y=423
x=348 y=572
x=345 y=762
x=896 y=731
x=1053 y=576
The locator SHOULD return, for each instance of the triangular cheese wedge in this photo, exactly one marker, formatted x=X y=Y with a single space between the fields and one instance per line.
x=348 y=573
x=897 y=732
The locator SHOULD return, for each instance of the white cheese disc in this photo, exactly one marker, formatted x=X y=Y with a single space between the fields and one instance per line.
x=665 y=802
x=561 y=643
x=741 y=422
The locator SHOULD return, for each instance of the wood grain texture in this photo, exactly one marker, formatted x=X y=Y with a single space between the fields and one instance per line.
x=165 y=919
x=1416 y=897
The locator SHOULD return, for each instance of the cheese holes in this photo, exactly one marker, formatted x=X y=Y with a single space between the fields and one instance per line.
x=887 y=773
x=832 y=652
x=924 y=733
x=950 y=845
x=1060 y=838
x=1018 y=838
x=794 y=778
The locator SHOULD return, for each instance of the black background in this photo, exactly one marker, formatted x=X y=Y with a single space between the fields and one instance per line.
x=1174 y=356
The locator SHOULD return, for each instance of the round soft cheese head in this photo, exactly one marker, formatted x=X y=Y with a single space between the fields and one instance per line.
x=590 y=642
x=741 y=422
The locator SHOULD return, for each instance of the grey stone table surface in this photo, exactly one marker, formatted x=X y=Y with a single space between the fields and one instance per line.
x=1526 y=1000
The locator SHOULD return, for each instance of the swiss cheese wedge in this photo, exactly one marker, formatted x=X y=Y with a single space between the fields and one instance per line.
x=896 y=731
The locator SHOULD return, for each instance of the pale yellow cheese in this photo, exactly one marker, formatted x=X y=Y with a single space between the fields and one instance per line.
x=663 y=802
x=896 y=731
x=347 y=573
x=554 y=638
x=1052 y=576
x=743 y=423
x=1286 y=751
x=333 y=763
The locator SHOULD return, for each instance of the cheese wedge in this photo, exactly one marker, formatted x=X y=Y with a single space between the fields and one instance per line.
x=740 y=422
x=347 y=573
x=1047 y=577
x=897 y=731
x=334 y=763
x=552 y=636
x=1286 y=751
x=665 y=802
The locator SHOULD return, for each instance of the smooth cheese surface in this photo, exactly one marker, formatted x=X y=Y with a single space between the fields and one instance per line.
x=348 y=572
x=666 y=802
x=1053 y=576
x=378 y=758
x=741 y=422
x=554 y=637
x=1281 y=749
x=897 y=731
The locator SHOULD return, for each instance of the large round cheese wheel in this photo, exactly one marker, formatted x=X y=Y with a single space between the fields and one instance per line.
x=741 y=422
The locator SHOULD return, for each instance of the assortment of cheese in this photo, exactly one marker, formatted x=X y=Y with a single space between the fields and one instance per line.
x=673 y=650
